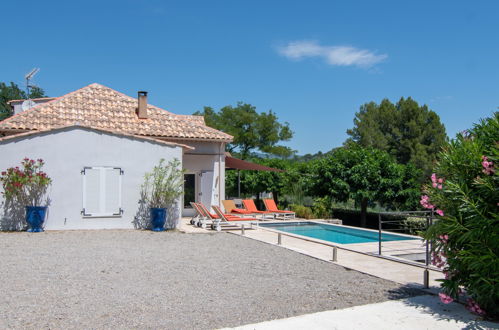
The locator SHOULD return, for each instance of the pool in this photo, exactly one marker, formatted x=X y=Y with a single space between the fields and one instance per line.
x=335 y=234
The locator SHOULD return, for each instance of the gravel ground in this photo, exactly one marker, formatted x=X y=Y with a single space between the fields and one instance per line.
x=141 y=279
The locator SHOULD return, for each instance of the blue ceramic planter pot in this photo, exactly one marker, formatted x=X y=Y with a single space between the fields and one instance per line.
x=35 y=216
x=158 y=218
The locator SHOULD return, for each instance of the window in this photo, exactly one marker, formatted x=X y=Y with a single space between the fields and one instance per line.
x=101 y=191
x=189 y=190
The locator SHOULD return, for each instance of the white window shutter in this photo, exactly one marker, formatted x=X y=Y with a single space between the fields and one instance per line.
x=102 y=191
x=91 y=191
x=112 y=191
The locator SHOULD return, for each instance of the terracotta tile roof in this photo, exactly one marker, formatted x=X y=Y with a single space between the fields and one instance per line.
x=101 y=107
x=54 y=129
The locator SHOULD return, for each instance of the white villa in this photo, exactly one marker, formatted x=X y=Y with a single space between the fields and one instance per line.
x=97 y=145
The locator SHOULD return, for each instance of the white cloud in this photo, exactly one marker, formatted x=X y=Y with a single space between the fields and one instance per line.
x=333 y=55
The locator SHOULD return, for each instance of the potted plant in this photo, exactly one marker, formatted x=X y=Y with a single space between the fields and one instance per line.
x=27 y=186
x=162 y=187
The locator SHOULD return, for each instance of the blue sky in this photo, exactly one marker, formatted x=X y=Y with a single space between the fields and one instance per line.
x=312 y=62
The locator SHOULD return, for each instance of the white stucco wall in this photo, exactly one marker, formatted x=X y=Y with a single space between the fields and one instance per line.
x=67 y=151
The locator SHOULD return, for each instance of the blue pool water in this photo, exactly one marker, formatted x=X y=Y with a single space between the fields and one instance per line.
x=335 y=234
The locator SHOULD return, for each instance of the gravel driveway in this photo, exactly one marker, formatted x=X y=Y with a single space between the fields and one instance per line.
x=141 y=279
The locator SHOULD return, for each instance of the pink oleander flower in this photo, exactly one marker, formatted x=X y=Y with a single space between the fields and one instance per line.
x=446 y=299
x=489 y=171
x=425 y=202
x=437 y=261
x=474 y=307
x=488 y=167
x=440 y=212
x=444 y=238
x=436 y=182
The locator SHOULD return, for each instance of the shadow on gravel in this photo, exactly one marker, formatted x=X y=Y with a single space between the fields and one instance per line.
x=404 y=291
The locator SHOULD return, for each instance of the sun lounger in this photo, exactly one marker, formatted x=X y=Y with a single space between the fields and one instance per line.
x=206 y=216
x=202 y=217
x=230 y=207
x=272 y=207
x=249 y=205
x=225 y=219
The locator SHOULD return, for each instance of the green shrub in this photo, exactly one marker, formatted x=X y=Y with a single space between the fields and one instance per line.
x=351 y=217
x=464 y=192
x=322 y=208
x=164 y=184
x=302 y=211
x=414 y=225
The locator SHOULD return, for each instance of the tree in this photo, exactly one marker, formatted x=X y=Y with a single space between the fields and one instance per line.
x=365 y=175
x=251 y=130
x=13 y=92
x=409 y=132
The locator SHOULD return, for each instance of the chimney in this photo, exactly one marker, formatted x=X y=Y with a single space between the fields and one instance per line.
x=142 y=109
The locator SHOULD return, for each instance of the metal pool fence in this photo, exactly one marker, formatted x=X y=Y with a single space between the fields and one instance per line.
x=401 y=226
x=428 y=216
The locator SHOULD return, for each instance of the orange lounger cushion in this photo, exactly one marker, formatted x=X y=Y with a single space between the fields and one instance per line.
x=214 y=216
x=231 y=217
x=230 y=207
x=241 y=211
x=249 y=204
x=271 y=206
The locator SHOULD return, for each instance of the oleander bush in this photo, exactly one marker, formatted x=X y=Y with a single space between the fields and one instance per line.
x=464 y=194
x=26 y=185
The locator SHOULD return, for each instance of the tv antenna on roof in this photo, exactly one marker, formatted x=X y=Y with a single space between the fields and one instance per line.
x=28 y=78
x=29 y=103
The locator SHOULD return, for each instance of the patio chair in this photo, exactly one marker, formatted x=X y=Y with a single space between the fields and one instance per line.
x=224 y=219
x=272 y=207
x=249 y=205
x=206 y=216
x=230 y=207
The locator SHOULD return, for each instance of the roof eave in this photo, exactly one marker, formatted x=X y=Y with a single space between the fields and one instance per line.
x=140 y=137
x=176 y=138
